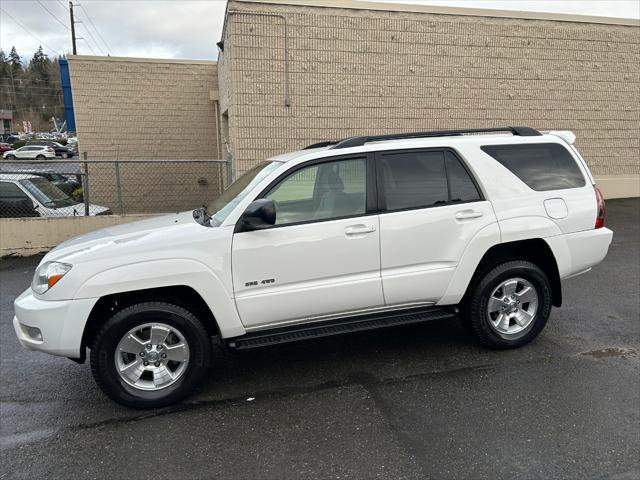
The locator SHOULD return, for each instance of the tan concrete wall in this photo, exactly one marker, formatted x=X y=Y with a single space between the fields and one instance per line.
x=619 y=186
x=355 y=71
x=30 y=236
x=131 y=108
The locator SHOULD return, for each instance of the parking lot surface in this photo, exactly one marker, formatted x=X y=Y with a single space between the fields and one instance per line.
x=419 y=402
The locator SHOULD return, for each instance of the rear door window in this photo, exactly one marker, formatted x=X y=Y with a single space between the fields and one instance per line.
x=461 y=185
x=542 y=166
x=413 y=179
x=421 y=179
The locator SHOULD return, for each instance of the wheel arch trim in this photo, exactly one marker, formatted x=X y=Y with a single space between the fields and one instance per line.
x=169 y=273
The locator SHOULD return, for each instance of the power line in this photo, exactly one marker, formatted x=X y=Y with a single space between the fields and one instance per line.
x=92 y=38
x=27 y=30
x=24 y=87
x=88 y=44
x=94 y=27
x=53 y=15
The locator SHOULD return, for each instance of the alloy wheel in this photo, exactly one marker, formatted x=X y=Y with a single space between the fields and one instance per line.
x=512 y=306
x=152 y=356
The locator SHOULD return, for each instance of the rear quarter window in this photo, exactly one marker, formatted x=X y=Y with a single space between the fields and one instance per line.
x=542 y=166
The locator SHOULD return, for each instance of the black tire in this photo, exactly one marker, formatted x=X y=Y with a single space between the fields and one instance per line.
x=10 y=157
x=40 y=157
x=103 y=349
x=475 y=314
x=65 y=155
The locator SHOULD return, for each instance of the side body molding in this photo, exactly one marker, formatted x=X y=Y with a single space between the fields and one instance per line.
x=167 y=273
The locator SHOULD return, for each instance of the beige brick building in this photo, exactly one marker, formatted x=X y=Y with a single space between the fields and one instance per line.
x=292 y=72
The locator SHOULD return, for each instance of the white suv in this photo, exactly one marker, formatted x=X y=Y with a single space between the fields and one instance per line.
x=30 y=152
x=364 y=233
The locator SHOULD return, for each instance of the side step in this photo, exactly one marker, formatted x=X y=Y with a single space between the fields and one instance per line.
x=360 y=323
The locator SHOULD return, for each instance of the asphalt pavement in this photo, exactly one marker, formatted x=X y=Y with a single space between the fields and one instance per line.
x=415 y=403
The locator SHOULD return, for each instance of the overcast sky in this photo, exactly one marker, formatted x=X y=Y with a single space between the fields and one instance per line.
x=190 y=29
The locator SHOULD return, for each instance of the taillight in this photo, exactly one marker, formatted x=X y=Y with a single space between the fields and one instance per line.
x=600 y=201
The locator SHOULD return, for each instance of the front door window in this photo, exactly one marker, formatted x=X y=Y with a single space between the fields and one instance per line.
x=321 y=192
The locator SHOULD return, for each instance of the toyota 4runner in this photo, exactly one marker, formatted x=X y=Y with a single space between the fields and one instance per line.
x=358 y=234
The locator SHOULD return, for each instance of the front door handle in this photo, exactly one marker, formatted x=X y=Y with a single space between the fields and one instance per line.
x=468 y=214
x=359 y=230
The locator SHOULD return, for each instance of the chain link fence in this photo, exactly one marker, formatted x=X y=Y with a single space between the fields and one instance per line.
x=102 y=187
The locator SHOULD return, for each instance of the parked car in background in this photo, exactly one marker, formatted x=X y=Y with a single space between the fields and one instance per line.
x=30 y=152
x=45 y=136
x=59 y=149
x=67 y=184
x=45 y=197
x=14 y=202
x=5 y=147
x=10 y=138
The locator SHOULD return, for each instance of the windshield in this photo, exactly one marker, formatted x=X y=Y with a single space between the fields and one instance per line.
x=47 y=193
x=222 y=206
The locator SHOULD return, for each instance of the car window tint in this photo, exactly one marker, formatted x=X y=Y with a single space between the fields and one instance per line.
x=321 y=192
x=413 y=179
x=542 y=166
x=461 y=186
x=11 y=191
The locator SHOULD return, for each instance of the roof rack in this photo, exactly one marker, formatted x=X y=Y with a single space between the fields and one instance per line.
x=321 y=144
x=359 y=141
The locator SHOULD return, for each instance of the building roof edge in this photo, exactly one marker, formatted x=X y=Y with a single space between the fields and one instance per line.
x=444 y=10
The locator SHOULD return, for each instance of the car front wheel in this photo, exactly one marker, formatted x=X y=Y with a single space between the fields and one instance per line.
x=150 y=354
x=510 y=306
x=10 y=157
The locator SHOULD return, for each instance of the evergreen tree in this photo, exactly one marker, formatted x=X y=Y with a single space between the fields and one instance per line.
x=39 y=66
x=15 y=61
x=4 y=64
x=33 y=91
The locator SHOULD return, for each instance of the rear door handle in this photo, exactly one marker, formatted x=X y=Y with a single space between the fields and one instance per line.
x=359 y=230
x=468 y=214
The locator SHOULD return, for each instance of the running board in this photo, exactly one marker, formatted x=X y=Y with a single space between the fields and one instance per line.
x=296 y=333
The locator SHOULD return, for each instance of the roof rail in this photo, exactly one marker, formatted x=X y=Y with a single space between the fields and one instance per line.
x=321 y=144
x=359 y=141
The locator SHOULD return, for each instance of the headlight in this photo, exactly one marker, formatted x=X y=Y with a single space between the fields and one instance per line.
x=48 y=275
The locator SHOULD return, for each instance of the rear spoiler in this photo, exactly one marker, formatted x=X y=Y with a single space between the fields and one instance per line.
x=566 y=135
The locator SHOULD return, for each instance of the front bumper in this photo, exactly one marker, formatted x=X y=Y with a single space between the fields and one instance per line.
x=54 y=327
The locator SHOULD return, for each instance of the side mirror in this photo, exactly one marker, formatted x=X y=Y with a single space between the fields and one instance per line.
x=259 y=214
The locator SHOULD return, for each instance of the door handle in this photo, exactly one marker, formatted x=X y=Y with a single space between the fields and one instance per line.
x=468 y=214
x=359 y=230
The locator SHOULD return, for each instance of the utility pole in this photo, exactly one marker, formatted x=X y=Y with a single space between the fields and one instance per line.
x=73 y=28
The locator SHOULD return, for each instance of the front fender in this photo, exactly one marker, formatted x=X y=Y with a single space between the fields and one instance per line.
x=167 y=273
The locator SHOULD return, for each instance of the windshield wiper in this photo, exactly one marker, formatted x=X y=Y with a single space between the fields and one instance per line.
x=201 y=216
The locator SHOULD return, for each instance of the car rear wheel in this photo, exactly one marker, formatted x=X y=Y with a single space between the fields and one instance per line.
x=64 y=155
x=40 y=157
x=150 y=354
x=10 y=157
x=510 y=306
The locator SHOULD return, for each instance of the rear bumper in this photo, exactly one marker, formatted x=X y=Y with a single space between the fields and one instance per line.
x=54 y=327
x=583 y=250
